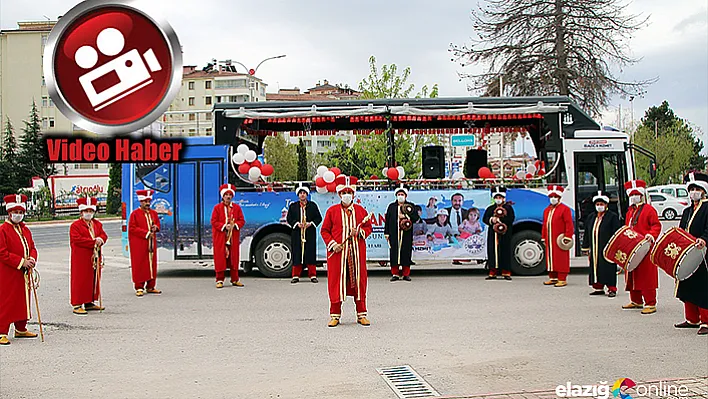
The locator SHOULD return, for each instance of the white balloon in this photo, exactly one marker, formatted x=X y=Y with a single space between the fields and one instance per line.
x=321 y=170
x=238 y=158
x=531 y=168
x=328 y=176
x=458 y=175
x=242 y=149
x=254 y=173
x=401 y=172
x=384 y=172
x=520 y=175
x=322 y=190
x=251 y=156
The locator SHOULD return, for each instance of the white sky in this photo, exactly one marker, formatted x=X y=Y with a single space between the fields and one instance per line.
x=333 y=40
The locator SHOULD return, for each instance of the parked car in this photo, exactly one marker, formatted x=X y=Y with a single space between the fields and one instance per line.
x=668 y=206
x=676 y=190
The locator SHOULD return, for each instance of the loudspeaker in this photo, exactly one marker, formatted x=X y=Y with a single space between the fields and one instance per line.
x=434 y=162
x=475 y=159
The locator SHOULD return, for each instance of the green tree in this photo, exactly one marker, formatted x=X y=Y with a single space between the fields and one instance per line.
x=32 y=151
x=368 y=155
x=302 y=169
x=113 y=203
x=673 y=150
x=9 y=163
x=662 y=120
x=283 y=156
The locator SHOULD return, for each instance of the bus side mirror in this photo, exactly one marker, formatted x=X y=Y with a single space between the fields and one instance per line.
x=652 y=168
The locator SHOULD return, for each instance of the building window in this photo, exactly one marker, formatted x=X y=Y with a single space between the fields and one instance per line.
x=207 y=84
x=192 y=117
x=191 y=101
x=233 y=99
x=207 y=100
x=192 y=132
x=208 y=131
x=45 y=103
x=51 y=103
x=230 y=84
x=44 y=40
x=191 y=85
x=44 y=82
x=218 y=99
x=45 y=123
x=208 y=116
x=51 y=122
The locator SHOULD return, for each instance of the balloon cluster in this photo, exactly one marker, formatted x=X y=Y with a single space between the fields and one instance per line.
x=324 y=180
x=394 y=174
x=486 y=173
x=248 y=165
x=536 y=169
x=458 y=175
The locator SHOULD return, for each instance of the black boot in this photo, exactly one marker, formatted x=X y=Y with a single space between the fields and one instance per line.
x=394 y=278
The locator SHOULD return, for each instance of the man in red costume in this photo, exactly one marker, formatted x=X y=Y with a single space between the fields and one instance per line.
x=557 y=233
x=226 y=223
x=643 y=281
x=143 y=226
x=18 y=257
x=344 y=231
x=86 y=236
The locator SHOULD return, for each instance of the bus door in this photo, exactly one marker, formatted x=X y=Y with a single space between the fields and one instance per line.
x=196 y=192
x=605 y=171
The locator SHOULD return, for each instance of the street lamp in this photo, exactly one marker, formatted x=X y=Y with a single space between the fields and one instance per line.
x=252 y=72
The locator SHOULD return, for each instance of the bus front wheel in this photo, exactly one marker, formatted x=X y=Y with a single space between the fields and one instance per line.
x=273 y=255
x=528 y=253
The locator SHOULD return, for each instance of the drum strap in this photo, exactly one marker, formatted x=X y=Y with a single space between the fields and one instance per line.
x=635 y=216
x=695 y=212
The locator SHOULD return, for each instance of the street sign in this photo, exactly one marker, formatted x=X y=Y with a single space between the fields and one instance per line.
x=463 y=140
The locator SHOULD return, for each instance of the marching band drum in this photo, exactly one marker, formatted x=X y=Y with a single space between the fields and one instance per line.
x=627 y=248
x=675 y=253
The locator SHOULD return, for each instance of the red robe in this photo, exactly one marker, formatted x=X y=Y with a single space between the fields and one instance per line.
x=646 y=275
x=142 y=265
x=334 y=226
x=82 y=237
x=16 y=244
x=219 y=235
x=557 y=220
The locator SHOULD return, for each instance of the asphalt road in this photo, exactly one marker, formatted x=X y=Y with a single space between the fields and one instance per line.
x=463 y=334
x=49 y=236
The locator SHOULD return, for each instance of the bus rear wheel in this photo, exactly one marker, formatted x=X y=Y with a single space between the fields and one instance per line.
x=273 y=255
x=528 y=254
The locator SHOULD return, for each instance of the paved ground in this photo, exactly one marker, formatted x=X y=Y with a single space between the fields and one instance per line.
x=464 y=335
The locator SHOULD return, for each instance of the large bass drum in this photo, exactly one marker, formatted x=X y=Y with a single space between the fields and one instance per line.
x=627 y=248
x=675 y=253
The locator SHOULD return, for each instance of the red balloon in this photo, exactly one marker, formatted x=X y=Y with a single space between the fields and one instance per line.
x=484 y=173
x=256 y=163
x=244 y=168
x=541 y=172
x=331 y=187
x=336 y=171
x=267 y=170
x=392 y=173
x=319 y=182
x=374 y=177
x=529 y=176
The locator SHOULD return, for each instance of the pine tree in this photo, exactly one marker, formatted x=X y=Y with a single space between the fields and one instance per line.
x=301 y=161
x=113 y=203
x=33 y=161
x=9 y=164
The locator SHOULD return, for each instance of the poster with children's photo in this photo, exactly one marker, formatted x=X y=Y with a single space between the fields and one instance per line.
x=450 y=224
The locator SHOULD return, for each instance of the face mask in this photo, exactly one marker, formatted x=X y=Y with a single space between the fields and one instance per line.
x=347 y=199
x=554 y=200
x=401 y=198
x=696 y=195
x=87 y=215
x=17 y=217
x=635 y=199
x=498 y=201
x=600 y=208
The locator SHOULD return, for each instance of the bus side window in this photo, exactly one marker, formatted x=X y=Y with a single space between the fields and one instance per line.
x=154 y=176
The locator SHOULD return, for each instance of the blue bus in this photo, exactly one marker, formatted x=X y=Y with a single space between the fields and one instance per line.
x=580 y=156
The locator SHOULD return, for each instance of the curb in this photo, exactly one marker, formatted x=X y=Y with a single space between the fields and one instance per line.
x=68 y=221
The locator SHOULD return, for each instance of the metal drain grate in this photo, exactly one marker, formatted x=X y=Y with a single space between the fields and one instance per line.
x=406 y=383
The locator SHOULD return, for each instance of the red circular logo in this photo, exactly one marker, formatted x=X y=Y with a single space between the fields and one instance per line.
x=113 y=66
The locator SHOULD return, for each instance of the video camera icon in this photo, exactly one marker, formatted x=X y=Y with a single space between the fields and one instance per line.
x=117 y=78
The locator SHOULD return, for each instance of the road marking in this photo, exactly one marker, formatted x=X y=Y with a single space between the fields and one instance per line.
x=406 y=383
